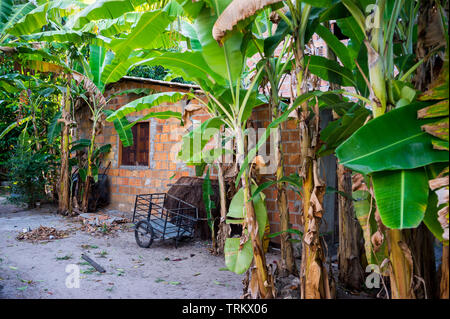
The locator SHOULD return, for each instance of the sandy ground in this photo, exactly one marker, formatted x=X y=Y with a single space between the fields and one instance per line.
x=38 y=270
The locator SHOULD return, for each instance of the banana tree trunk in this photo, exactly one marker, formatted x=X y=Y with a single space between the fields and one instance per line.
x=350 y=271
x=86 y=191
x=401 y=273
x=87 y=183
x=314 y=281
x=260 y=274
x=64 y=188
x=313 y=273
x=287 y=252
x=421 y=242
x=224 y=229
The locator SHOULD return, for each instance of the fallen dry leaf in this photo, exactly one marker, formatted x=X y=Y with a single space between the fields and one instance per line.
x=43 y=233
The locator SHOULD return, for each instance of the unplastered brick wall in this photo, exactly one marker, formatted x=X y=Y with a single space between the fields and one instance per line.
x=164 y=141
x=290 y=144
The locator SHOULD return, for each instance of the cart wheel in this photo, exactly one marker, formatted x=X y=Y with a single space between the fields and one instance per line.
x=144 y=234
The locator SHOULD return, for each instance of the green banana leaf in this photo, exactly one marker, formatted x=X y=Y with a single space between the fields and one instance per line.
x=10 y=15
x=236 y=209
x=226 y=60
x=54 y=128
x=209 y=204
x=339 y=130
x=350 y=28
x=68 y=36
x=104 y=9
x=146 y=34
x=80 y=144
x=339 y=48
x=113 y=27
x=293 y=179
x=190 y=65
x=97 y=56
x=6 y=10
x=272 y=43
x=125 y=134
x=117 y=68
x=330 y=70
x=35 y=19
x=335 y=11
x=14 y=125
x=392 y=141
x=31 y=22
x=318 y=3
x=145 y=103
x=158 y=115
x=237 y=258
x=401 y=196
x=104 y=149
x=138 y=91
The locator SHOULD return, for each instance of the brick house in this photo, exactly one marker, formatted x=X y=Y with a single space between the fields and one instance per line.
x=149 y=165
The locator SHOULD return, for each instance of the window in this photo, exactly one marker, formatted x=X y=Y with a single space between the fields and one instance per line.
x=137 y=154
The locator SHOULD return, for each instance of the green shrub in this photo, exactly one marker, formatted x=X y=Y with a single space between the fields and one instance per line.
x=26 y=169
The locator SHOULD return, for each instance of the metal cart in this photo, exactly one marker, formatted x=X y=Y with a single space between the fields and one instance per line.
x=163 y=216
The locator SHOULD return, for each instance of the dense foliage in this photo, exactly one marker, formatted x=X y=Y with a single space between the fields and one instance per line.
x=388 y=91
x=26 y=169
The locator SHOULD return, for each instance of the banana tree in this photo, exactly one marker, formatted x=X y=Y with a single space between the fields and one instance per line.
x=97 y=112
x=218 y=71
x=26 y=22
x=313 y=274
x=276 y=71
x=78 y=34
x=10 y=14
x=396 y=168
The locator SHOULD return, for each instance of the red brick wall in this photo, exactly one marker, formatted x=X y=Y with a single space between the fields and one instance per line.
x=291 y=158
x=127 y=181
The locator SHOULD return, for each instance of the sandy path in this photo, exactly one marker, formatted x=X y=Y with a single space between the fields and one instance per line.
x=32 y=270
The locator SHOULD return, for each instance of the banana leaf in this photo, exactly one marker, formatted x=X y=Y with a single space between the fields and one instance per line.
x=145 y=103
x=125 y=134
x=393 y=141
x=401 y=196
x=238 y=258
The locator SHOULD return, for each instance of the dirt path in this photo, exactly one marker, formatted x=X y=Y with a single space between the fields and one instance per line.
x=38 y=270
